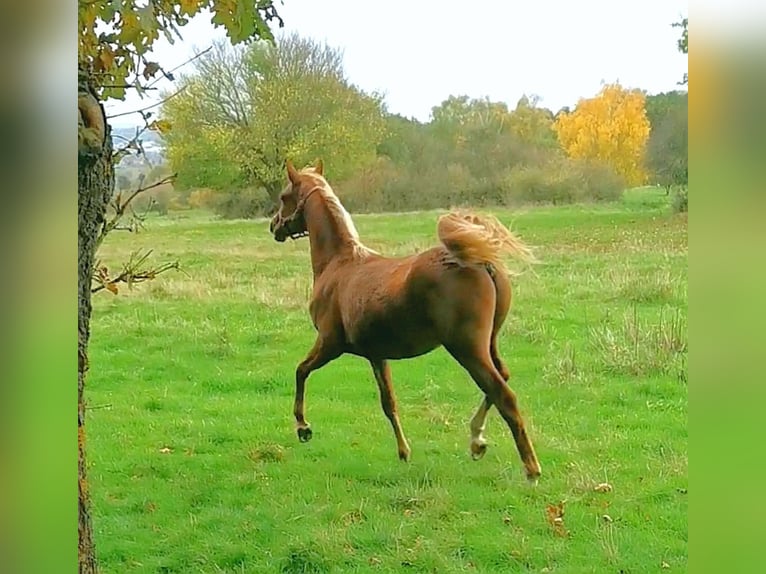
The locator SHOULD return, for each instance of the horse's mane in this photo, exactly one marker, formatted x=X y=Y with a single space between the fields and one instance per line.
x=339 y=213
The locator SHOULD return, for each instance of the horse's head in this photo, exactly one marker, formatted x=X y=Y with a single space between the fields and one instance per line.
x=290 y=221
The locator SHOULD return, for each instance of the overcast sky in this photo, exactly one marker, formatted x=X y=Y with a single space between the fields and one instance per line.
x=418 y=53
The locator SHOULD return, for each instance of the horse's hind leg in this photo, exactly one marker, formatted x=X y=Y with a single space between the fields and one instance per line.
x=481 y=368
x=321 y=353
x=478 y=442
x=382 y=372
x=478 y=422
x=502 y=306
x=497 y=361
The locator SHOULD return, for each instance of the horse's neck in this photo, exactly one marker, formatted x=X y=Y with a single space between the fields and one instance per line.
x=331 y=233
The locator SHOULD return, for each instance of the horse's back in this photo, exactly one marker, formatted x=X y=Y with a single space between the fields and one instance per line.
x=405 y=307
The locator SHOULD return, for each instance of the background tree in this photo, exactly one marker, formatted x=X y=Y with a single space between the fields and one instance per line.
x=667 y=151
x=533 y=125
x=113 y=41
x=404 y=141
x=245 y=110
x=612 y=128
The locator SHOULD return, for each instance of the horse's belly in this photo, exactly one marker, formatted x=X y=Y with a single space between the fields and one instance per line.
x=385 y=340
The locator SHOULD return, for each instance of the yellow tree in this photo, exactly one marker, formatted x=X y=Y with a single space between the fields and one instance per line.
x=612 y=128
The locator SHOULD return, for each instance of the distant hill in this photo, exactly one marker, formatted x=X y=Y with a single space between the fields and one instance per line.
x=132 y=164
x=125 y=134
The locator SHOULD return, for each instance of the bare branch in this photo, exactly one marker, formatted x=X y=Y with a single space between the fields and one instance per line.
x=121 y=206
x=149 y=107
x=134 y=271
x=169 y=73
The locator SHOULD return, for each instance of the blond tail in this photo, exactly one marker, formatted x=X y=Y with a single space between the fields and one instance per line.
x=471 y=238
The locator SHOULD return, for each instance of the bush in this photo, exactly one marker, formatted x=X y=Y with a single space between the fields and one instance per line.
x=242 y=204
x=535 y=184
x=202 y=199
x=161 y=199
x=562 y=181
x=601 y=183
x=681 y=200
x=386 y=186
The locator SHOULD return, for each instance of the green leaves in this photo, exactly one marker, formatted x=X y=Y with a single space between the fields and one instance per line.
x=116 y=57
x=683 y=41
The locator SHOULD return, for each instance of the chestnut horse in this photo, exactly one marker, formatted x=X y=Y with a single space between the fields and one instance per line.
x=456 y=295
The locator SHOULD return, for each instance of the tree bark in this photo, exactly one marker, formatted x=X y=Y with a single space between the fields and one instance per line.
x=95 y=174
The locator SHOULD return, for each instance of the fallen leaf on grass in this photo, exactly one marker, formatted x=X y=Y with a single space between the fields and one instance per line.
x=664 y=565
x=166 y=450
x=603 y=487
x=555 y=515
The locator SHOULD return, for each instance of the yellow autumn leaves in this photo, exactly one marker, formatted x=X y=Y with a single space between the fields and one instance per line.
x=611 y=128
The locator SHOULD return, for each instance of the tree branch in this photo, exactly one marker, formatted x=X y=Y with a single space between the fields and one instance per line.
x=169 y=73
x=121 y=207
x=149 y=107
x=132 y=272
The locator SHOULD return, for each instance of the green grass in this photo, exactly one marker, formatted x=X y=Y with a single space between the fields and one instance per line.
x=194 y=463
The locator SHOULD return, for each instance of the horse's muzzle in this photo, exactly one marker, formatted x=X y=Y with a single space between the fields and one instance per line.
x=278 y=229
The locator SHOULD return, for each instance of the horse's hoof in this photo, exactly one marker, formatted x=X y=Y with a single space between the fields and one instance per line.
x=533 y=477
x=304 y=434
x=404 y=456
x=478 y=450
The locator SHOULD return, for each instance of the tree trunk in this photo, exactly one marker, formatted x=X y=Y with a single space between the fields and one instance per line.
x=95 y=178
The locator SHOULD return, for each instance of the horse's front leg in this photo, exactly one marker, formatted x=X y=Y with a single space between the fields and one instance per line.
x=388 y=401
x=321 y=353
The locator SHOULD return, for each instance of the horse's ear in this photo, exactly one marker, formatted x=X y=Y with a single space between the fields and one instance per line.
x=292 y=173
x=319 y=167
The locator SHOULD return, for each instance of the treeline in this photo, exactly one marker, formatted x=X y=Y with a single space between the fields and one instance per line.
x=244 y=110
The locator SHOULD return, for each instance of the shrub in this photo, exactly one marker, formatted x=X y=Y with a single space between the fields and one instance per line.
x=601 y=182
x=202 y=199
x=536 y=184
x=562 y=181
x=386 y=186
x=242 y=204
x=681 y=200
x=164 y=198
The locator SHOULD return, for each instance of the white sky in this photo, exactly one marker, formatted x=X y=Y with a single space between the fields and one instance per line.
x=418 y=53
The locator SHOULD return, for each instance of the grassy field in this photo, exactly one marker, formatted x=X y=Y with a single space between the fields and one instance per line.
x=195 y=466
